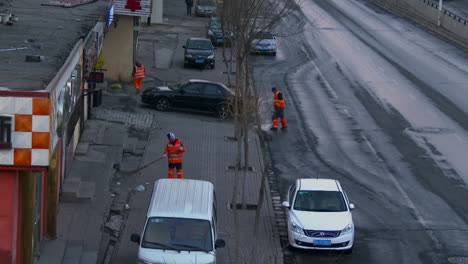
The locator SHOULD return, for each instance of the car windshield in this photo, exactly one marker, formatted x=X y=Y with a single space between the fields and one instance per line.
x=206 y=3
x=215 y=24
x=178 y=86
x=200 y=45
x=320 y=201
x=263 y=35
x=177 y=234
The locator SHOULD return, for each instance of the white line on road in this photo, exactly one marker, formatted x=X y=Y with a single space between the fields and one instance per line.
x=404 y=195
x=459 y=138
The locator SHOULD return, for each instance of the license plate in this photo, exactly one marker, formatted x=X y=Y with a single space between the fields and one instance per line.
x=322 y=242
x=199 y=61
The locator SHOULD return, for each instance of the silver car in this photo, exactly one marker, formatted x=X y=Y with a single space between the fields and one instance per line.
x=205 y=8
x=264 y=43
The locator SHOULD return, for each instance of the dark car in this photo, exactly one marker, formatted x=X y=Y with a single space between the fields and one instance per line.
x=215 y=32
x=205 y=8
x=193 y=94
x=199 y=52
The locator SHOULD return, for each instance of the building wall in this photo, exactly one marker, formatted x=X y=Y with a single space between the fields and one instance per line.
x=118 y=50
x=8 y=216
x=31 y=125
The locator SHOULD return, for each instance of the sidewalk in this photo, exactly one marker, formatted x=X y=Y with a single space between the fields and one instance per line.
x=101 y=208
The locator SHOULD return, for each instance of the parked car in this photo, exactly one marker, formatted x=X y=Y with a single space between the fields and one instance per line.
x=319 y=215
x=264 y=43
x=180 y=225
x=215 y=32
x=205 y=8
x=199 y=52
x=192 y=94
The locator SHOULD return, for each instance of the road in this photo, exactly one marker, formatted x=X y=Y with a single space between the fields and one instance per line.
x=380 y=105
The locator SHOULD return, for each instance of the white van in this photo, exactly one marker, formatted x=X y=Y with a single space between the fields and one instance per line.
x=180 y=224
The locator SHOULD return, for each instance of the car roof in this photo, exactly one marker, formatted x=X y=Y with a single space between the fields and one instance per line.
x=193 y=38
x=206 y=81
x=182 y=198
x=318 y=185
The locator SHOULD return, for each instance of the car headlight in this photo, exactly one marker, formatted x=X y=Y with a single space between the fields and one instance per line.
x=296 y=228
x=188 y=56
x=210 y=32
x=211 y=56
x=347 y=230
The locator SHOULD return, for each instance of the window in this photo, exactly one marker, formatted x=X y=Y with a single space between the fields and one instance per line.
x=320 y=201
x=178 y=234
x=211 y=89
x=292 y=190
x=5 y=132
x=192 y=89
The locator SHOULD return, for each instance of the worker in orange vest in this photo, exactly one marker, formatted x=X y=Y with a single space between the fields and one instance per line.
x=278 y=104
x=174 y=151
x=138 y=75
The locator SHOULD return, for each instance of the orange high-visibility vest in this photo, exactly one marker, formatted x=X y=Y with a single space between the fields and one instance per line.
x=139 y=72
x=174 y=154
x=278 y=103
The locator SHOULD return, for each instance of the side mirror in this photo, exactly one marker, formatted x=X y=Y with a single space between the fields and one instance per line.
x=135 y=238
x=351 y=206
x=220 y=243
x=286 y=204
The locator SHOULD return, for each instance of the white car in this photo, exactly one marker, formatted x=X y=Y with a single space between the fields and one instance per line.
x=263 y=43
x=319 y=215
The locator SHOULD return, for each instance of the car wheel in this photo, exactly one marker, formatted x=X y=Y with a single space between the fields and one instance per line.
x=213 y=66
x=349 y=251
x=185 y=65
x=274 y=54
x=222 y=111
x=162 y=104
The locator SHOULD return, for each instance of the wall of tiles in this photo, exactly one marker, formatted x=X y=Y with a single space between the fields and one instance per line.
x=30 y=136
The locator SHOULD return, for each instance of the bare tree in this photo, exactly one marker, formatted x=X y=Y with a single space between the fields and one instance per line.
x=243 y=21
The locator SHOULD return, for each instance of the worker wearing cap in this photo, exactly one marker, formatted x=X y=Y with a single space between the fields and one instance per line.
x=175 y=152
x=138 y=75
x=278 y=105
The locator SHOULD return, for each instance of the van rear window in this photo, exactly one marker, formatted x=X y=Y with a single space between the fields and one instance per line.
x=178 y=234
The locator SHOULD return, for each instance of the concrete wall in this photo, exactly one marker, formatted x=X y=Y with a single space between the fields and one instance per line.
x=425 y=13
x=118 y=50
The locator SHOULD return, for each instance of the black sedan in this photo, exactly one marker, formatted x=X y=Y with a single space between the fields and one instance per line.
x=192 y=94
x=199 y=52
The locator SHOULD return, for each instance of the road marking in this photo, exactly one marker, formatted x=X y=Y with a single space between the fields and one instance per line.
x=459 y=138
x=404 y=195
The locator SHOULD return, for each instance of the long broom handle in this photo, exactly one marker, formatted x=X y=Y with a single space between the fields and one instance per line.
x=139 y=169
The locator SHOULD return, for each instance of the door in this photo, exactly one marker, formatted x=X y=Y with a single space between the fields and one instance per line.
x=188 y=96
x=37 y=211
x=212 y=96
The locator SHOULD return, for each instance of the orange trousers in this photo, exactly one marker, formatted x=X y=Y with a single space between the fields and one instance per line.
x=138 y=83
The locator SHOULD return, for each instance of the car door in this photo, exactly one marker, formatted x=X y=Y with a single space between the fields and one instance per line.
x=212 y=96
x=189 y=96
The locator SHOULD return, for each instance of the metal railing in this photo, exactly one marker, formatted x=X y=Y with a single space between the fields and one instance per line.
x=447 y=12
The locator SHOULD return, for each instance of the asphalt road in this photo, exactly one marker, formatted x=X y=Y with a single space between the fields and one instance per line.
x=374 y=102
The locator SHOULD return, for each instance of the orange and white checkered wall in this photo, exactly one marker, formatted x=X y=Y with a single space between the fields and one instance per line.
x=30 y=131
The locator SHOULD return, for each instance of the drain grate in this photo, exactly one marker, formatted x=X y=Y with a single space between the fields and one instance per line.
x=233 y=168
x=247 y=206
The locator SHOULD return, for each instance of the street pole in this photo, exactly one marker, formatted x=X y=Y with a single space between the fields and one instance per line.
x=440 y=12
